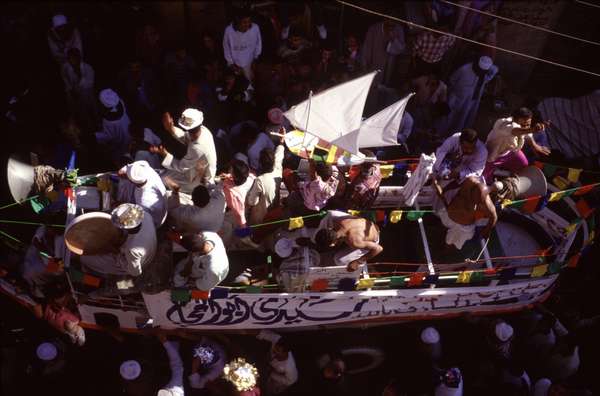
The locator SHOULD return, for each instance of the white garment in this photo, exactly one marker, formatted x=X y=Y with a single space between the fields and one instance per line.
x=175 y=385
x=199 y=381
x=470 y=165
x=115 y=134
x=189 y=218
x=283 y=373
x=262 y=142
x=457 y=234
x=417 y=180
x=443 y=390
x=152 y=195
x=207 y=269
x=134 y=254
x=34 y=265
x=406 y=127
x=201 y=156
x=240 y=48
x=59 y=48
x=500 y=141
x=264 y=191
x=143 y=155
x=72 y=80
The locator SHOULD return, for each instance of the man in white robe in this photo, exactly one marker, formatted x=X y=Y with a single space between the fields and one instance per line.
x=149 y=191
x=199 y=165
x=136 y=249
x=460 y=156
x=115 y=124
x=207 y=264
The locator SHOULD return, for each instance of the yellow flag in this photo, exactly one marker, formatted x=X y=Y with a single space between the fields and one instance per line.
x=571 y=227
x=555 y=196
x=560 y=182
x=505 y=203
x=296 y=222
x=539 y=270
x=464 y=277
x=386 y=171
x=573 y=175
x=395 y=216
x=366 y=283
x=353 y=212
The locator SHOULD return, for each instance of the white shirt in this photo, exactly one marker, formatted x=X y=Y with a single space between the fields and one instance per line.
x=284 y=373
x=207 y=269
x=72 y=80
x=264 y=190
x=261 y=142
x=470 y=165
x=201 y=155
x=501 y=141
x=189 y=218
x=152 y=196
x=242 y=48
x=175 y=385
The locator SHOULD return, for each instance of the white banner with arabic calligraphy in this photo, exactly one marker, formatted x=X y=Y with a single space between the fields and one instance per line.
x=251 y=311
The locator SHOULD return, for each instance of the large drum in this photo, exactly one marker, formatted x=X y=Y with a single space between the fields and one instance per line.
x=92 y=234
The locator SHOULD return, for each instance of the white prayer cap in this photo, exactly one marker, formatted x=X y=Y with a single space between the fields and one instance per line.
x=485 y=62
x=190 y=119
x=46 y=351
x=58 y=20
x=275 y=116
x=284 y=247
x=430 y=336
x=109 y=99
x=127 y=216
x=130 y=370
x=136 y=172
x=542 y=387
x=504 y=331
x=168 y=392
x=241 y=157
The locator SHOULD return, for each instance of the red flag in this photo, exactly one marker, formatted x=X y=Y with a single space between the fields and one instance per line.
x=416 y=279
x=531 y=204
x=583 y=208
x=319 y=284
x=574 y=260
x=538 y=164
x=412 y=167
x=200 y=294
x=585 y=189
x=91 y=280
x=380 y=216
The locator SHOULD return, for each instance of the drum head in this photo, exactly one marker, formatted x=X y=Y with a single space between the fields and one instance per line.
x=91 y=234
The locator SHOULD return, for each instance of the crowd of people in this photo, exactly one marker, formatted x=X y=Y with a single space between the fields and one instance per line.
x=196 y=139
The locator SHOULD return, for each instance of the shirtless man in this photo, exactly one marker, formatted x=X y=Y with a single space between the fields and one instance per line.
x=361 y=238
x=467 y=206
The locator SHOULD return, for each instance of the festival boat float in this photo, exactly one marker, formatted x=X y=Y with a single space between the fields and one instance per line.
x=539 y=232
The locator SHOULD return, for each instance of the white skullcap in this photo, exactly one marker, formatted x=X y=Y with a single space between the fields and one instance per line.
x=430 y=335
x=136 y=172
x=109 y=99
x=241 y=157
x=542 y=387
x=58 y=20
x=130 y=370
x=190 y=119
x=275 y=116
x=46 y=351
x=504 y=331
x=485 y=62
x=284 y=247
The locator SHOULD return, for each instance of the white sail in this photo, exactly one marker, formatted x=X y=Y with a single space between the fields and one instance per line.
x=335 y=114
x=381 y=129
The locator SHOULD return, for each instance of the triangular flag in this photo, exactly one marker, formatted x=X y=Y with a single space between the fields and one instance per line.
x=91 y=280
x=517 y=204
x=585 y=189
x=490 y=272
x=253 y=289
x=386 y=171
x=555 y=267
x=416 y=279
x=572 y=263
x=296 y=222
x=352 y=212
x=180 y=295
x=395 y=216
x=560 y=182
x=379 y=216
x=464 y=277
x=397 y=281
x=573 y=226
x=530 y=204
x=573 y=175
x=366 y=283
x=538 y=164
x=539 y=270
x=555 y=196
x=200 y=294
x=505 y=203
x=319 y=284
x=477 y=276
x=413 y=167
x=219 y=292
x=414 y=214
x=583 y=208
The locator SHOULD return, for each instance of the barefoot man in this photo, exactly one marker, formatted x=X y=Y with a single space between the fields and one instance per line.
x=464 y=208
x=357 y=238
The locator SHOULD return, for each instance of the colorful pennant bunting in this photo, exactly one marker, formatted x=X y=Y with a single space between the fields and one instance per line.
x=583 y=208
x=464 y=277
x=319 y=284
x=90 y=280
x=531 y=204
x=477 y=276
x=555 y=196
x=180 y=295
x=200 y=294
x=574 y=260
x=219 y=292
x=253 y=289
x=416 y=279
x=395 y=216
x=366 y=283
x=386 y=171
x=397 y=281
x=554 y=267
x=539 y=270
x=560 y=182
x=573 y=175
x=414 y=215
x=573 y=226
